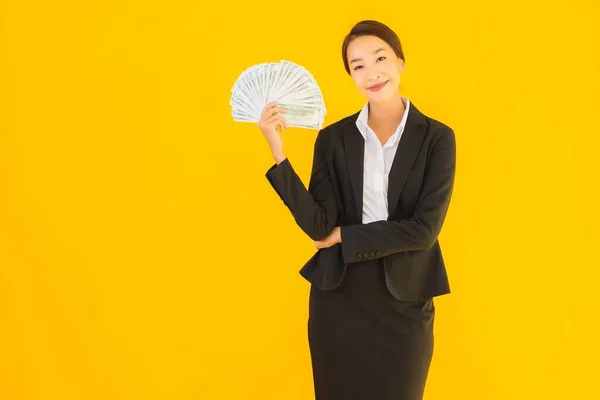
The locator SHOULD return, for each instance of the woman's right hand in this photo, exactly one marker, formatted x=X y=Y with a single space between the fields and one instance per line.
x=270 y=120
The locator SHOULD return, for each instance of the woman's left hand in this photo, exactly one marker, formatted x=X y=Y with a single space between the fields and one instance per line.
x=333 y=238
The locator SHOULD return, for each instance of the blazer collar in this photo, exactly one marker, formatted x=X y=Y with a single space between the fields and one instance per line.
x=405 y=156
x=363 y=118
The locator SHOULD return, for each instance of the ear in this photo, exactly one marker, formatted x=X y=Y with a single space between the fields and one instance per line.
x=402 y=65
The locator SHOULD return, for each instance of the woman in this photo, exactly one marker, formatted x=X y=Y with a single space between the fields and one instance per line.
x=378 y=195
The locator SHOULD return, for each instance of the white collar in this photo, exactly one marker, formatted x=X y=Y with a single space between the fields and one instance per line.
x=363 y=118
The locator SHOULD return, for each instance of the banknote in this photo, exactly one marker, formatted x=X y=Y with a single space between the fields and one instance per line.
x=292 y=86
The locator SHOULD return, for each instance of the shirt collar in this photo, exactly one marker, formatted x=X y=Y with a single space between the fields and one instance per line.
x=363 y=118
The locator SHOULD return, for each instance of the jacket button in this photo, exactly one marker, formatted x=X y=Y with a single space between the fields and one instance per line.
x=359 y=255
x=365 y=255
x=372 y=254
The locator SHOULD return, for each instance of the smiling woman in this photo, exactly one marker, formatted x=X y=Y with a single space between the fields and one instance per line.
x=376 y=62
x=378 y=195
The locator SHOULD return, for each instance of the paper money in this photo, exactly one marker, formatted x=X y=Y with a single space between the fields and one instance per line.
x=292 y=86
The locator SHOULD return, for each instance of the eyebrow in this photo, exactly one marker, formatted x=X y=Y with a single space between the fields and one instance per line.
x=360 y=59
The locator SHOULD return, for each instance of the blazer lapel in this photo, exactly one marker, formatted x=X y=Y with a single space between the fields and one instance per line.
x=355 y=152
x=406 y=154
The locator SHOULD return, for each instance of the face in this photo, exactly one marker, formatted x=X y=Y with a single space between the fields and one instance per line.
x=375 y=68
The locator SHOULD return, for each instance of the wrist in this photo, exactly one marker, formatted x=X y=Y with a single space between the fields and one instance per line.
x=279 y=156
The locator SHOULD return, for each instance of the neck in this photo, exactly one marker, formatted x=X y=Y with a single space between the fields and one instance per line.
x=390 y=112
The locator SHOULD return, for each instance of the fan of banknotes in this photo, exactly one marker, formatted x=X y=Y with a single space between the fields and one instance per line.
x=291 y=85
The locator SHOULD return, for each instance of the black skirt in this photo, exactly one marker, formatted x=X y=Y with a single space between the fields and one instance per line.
x=364 y=343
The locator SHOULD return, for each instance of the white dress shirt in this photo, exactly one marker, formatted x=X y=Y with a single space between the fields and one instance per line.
x=377 y=164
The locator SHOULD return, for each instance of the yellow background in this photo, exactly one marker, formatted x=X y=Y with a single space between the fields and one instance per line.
x=143 y=254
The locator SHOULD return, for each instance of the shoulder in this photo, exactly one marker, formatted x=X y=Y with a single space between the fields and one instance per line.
x=434 y=126
x=435 y=130
x=437 y=126
x=440 y=134
x=340 y=126
x=333 y=133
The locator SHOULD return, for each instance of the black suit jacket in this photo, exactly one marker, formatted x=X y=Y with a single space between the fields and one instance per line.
x=420 y=186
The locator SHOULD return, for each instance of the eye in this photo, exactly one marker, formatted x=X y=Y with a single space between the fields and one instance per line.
x=378 y=59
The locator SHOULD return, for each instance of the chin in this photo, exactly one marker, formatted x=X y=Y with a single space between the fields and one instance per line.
x=377 y=97
x=383 y=96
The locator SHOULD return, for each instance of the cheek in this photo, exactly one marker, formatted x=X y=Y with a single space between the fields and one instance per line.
x=393 y=72
x=358 y=81
x=388 y=70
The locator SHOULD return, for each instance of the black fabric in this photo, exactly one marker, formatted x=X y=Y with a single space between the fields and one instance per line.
x=421 y=182
x=365 y=344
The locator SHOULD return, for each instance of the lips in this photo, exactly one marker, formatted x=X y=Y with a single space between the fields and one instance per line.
x=377 y=86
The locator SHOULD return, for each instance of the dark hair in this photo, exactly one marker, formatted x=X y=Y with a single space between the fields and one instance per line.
x=372 y=28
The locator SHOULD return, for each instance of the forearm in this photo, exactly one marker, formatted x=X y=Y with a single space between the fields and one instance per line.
x=315 y=208
x=315 y=217
x=381 y=238
x=278 y=155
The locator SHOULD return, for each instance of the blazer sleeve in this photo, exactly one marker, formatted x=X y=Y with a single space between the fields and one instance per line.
x=314 y=209
x=381 y=238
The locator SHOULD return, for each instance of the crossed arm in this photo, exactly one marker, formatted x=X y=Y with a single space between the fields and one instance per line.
x=315 y=212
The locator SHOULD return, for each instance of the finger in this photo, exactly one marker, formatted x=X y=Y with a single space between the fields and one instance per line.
x=282 y=121
x=274 y=118
x=273 y=110
x=269 y=106
x=267 y=117
x=282 y=125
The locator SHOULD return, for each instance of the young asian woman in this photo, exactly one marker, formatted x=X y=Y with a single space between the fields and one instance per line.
x=379 y=192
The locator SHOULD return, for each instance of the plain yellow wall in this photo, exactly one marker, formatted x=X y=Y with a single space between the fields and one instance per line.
x=143 y=254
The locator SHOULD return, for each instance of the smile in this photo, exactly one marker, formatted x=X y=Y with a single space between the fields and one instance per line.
x=378 y=86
